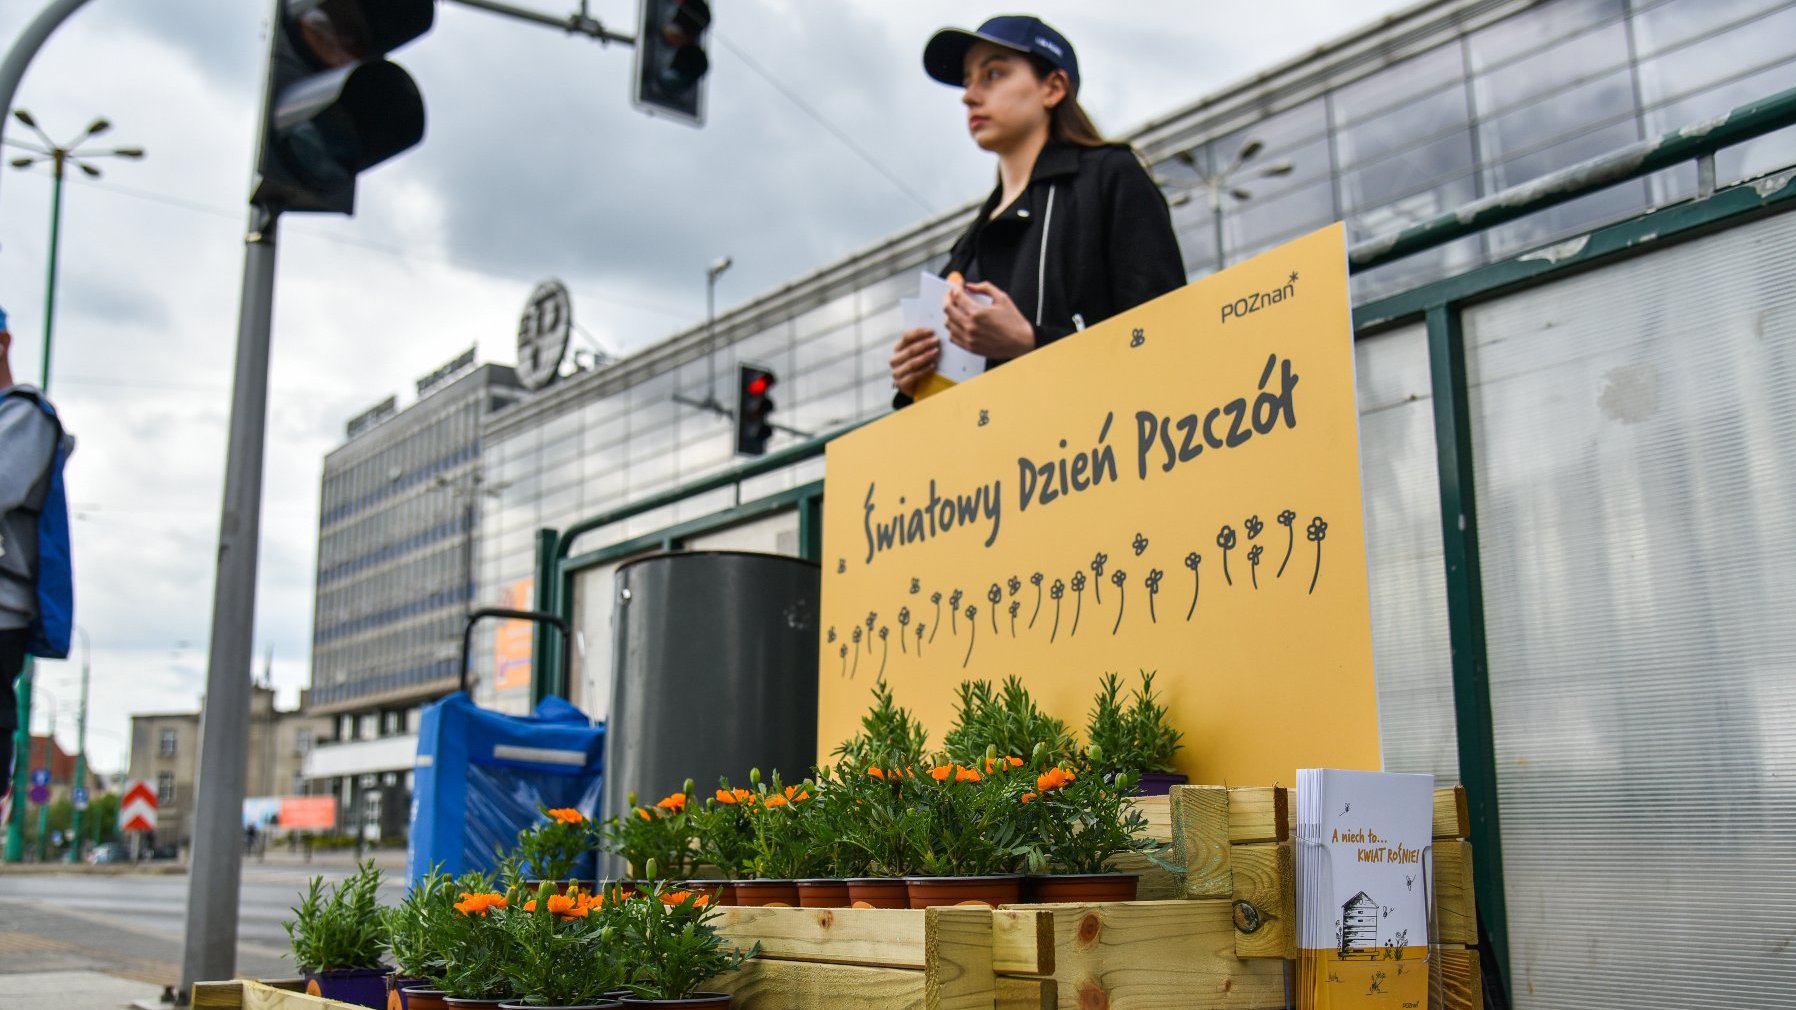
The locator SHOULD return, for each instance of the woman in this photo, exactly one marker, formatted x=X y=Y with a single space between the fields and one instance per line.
x=1075 y=232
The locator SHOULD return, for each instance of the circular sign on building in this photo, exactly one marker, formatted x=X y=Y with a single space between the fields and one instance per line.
x=543 y=333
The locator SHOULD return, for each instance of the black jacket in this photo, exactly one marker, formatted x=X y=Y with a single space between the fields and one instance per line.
x=1088 y=238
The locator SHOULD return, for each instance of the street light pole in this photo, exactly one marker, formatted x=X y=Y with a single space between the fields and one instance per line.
x=76 y=817
x=715 y=270
x=1217 y=183
x=60 y=159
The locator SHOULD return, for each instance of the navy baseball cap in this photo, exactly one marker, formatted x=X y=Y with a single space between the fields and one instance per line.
x=944 y=58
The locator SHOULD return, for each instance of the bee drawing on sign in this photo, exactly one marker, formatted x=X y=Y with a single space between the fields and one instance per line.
x=1192 y=561
x=1154 y=576
x=1055 y=592
x=1409 y=882
x=1137 y=337
x=1316 y=533
x=1036 y=581
x=1013 y=584
x=1139 y=543
x=1118 y=579
x=1286 y=519
x=972 y=633
x=1225 y=539
x=1078 y=601
x=841 y=565
x=916 y=585
x=985 y=417
x=903 y=626
x=935 y=598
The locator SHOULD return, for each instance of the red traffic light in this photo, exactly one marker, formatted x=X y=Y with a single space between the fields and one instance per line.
x=759 y=384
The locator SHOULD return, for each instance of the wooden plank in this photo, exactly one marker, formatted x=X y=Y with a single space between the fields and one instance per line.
x=1157 y=882
x=765 y=984
x=1158 y=955
x=957 y=944
x=1455 y=908
x=1452 y=818
x=1461 y=980
x=1200 y=822
x=217 y=995
x=1158 y=811
x=1259 y=814
x=1026 y=994
x=1023 y=941
x=880 y=937
x=260 y=996
x=1265 y=896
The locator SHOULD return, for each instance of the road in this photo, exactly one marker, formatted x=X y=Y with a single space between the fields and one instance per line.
x=130 y=925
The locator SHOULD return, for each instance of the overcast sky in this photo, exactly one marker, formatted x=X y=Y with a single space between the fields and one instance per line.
x=533 y=165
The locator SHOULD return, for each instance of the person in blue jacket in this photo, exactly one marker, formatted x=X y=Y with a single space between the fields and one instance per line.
x=1075 y=231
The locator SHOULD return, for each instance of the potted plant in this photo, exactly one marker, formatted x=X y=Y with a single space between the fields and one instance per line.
x=724 y=839
x=564 y=952
x=965 y=832
x=889 y=736
x=1082 y=820
x=554 y=848
x=675 y=950
x=1136 y=736
x=1006 y=719
x=870 y=814
x=781 y=845
x=661 y=833
x=823 y=877
x=338 y=938
x=474 y=949
x=408 y=937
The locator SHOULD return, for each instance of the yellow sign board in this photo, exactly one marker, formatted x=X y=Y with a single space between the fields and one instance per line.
x=1176 y=489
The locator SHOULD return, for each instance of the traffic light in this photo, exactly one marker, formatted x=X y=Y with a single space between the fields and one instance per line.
x=670 y=59
x=335 y=106
x=753 y=409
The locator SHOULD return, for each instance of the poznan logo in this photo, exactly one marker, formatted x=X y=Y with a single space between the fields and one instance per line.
x=1258 y=300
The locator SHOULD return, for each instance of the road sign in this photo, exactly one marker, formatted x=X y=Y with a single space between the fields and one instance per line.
x=80 y=798
x=40 y=776
x=39 y=795
x=137 y=808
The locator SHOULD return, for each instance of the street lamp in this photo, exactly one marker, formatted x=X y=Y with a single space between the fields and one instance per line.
x=60 y=156
x=79 y=807
x=1220 y=183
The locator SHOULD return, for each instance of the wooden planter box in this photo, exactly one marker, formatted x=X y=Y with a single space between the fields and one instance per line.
x=244 y=994
x=1217 y=931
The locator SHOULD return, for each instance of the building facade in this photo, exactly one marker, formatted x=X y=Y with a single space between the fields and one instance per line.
x=1415 y=117
x=397 y=525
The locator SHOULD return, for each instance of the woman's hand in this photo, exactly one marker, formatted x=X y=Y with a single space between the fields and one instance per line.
x=913 y=360
x=996 y=331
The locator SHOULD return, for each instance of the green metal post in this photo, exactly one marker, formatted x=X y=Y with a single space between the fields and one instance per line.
x=77 y=814
x=43 y=832
x=544 y=644
x=810 y=528
x=21 y=775
x=1465 y=625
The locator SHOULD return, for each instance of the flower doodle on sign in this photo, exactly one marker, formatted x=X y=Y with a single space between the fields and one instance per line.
x=1097 y=575
x=1193 y=560
x=935 y=598
x=872 y=619
x=1121 y=600
x=857 y=654
x=1013 y=584
x=1036 y=581
x=903 y=626
x=1254 y=526
x=1316 y=533
x=1078 y=601
x=885 y=649
x=1154 y=575
x=996 y=595
x=1056 y=591
x=855 y=635
x=954 y=612
x=1253 y=563
x=1015 y=605
x=1225 y=539
x=1285 y=519
x=844 y=659
x=920 y=639
x=1139 y=543
x=973 y=636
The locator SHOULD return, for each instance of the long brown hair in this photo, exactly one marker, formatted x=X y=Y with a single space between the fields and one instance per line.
x=1067 y=122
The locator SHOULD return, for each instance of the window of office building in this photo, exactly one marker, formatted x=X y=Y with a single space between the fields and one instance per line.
x=165 y=746
x=165 y=788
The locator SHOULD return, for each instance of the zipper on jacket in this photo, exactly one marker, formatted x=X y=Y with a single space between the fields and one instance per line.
x=1041 y=270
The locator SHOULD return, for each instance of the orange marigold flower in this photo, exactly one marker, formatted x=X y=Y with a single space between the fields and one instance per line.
x=793 y=794
x=941 y=774
x=776 y=800
x=743 y=794
x=477 y=904
x=1028 y=797
x=725 y=796
x=530 y=906
x=568 y=907
x=1014 y=761
x=877 y=773
x=1054 y=778
x=675 y=802
x=643 y=812
x=568 y=815
x=964 y=774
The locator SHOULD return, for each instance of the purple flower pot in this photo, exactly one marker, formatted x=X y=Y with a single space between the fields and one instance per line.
x=358 y=986
x=1159 y=783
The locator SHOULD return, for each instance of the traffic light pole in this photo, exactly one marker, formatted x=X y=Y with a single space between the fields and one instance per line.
x=577 y=24
x=216 y=873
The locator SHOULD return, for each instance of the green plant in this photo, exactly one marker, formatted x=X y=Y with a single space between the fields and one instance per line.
x=471 y=942
x=1007 y=719
x=672 y=945
x=869 y=812
x=1083 y=819
x=341 y=930
x=1134 y=737
x=550 y=850
x=563 y=949
x=889 y=736
x=409 y=927
x=962 y=821
x=723 y=832
x=662 y=834
x=782 y=837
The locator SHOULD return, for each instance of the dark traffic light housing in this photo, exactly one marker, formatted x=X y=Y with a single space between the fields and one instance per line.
x=754 y=409
x=335 y=106
x=670 y=59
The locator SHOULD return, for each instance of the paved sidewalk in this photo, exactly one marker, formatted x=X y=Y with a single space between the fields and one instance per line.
x=71 y=990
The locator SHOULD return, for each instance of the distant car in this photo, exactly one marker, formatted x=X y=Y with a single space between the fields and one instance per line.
x=106 y=852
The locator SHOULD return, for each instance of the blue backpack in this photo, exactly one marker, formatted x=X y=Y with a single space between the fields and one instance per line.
x=48 y=636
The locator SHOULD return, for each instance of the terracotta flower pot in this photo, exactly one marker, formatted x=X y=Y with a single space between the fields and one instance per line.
x=460 y=1003
x=926 y=892
x=358 y=986
x=696 y=1001
x=721 y=892
x=1085 y=887
x=823 y=892
x=1159 y=783
x=396 y=987
x=766 y=892
x=878 y=892
x=423 y=997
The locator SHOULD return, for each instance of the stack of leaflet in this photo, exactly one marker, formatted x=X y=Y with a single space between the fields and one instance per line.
x=1364 y=888
x=928 y=311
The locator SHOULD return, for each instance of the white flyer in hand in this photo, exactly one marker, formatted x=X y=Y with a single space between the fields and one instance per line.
x=955 y=363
